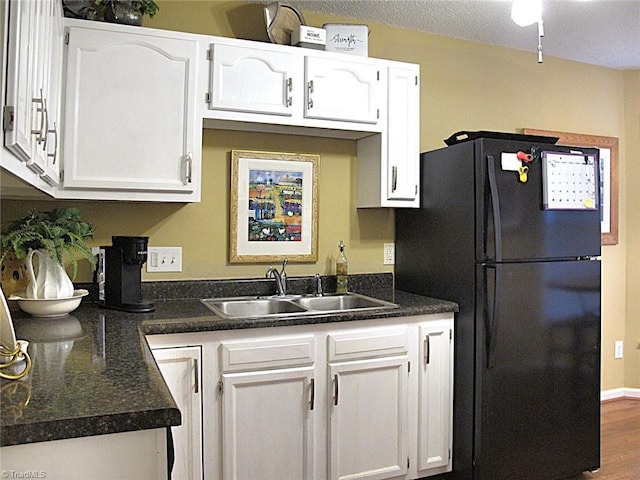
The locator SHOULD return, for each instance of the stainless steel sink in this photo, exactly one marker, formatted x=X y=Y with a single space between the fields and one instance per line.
x=296 y=305
x=342 y=302
x=242 y=307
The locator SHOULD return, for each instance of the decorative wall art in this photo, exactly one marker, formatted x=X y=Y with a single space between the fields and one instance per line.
x=608 y=175
x=274 y=207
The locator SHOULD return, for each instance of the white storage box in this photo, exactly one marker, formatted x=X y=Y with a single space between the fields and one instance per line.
x=347 y=38
x=309 y=37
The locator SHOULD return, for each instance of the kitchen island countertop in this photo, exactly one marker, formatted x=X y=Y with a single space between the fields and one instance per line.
x=93 y=372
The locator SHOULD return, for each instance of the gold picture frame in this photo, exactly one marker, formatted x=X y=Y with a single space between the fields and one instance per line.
x=274 y=207
x=608 y=174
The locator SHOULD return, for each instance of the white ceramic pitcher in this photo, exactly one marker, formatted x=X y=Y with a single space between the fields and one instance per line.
x=51 y=281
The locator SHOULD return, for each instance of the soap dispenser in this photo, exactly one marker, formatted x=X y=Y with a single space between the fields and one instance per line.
x=342 y=270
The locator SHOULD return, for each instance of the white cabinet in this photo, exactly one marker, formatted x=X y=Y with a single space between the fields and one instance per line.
x=268 y=408
x=259 y=84
x=51 y=145
x=389 y=165
x=278 y=89
x=131 y=130
x=435 y=428
x=254 y=80
x=30 y=108
x=368 y=374
x=180 y=369
x=136 y=455
x=345 y=90
x=403 y=148
x=370 y=399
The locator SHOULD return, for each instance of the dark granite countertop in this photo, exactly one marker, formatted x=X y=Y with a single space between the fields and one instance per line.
x=93 y=372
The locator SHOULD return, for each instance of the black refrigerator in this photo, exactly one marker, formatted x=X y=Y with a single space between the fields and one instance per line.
x=509 y=228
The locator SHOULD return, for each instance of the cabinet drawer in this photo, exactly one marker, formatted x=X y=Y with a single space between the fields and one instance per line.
x=384 y=342
x=264 y=354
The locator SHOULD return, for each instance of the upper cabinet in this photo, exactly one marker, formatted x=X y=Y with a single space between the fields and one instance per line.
x=116 y=112
x=343 y=90
x=30 y=111
x=130 y=127
x=253 y=80
x=266 y=84
x=389 y=164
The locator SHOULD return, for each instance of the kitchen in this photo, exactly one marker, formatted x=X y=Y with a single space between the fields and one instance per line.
x=510 y=85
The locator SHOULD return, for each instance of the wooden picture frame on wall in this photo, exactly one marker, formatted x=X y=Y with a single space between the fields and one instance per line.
x=274 y=207
x=608 y=174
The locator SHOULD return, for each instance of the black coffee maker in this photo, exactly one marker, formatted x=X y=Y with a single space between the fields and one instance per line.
x=122 y=274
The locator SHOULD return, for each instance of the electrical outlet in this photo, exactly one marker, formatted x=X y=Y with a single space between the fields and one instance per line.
x=164 y=259
x=389 y=254
x=619 y=349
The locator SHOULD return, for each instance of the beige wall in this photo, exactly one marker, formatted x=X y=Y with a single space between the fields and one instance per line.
x=465 y=86
x=632 y=175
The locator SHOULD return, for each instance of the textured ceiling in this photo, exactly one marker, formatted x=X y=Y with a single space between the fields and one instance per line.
x=599 y=32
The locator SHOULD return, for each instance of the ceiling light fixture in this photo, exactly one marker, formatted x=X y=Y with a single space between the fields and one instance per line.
x=528 y=12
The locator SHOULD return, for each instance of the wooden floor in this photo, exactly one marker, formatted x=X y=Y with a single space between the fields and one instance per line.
x=620 y=442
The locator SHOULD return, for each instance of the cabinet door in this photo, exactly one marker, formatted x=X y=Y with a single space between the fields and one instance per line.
x=368 y=418
x=403 y=147
x=346 y=90
x=20 y=79
x=253 y=80
x=31 y=103
x=52 y=84
x=435 y=407
x=268 y=424
x=180 y=369
x=130 y=112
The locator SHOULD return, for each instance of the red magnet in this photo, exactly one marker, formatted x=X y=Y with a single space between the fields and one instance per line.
x=525 y=157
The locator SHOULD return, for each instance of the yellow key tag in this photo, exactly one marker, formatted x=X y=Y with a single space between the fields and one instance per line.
x=522 y=172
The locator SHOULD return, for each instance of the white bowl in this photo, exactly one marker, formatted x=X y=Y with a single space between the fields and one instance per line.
x=49 y=307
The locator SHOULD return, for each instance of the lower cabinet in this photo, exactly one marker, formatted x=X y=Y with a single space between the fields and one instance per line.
x=368 y=403
x=180 y=368
x=136 y=455
x=435 y=397
x=367 y=400
x=267 y=407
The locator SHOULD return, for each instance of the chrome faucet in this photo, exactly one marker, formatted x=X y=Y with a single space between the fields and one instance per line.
x=281 y=277
x=319 y=291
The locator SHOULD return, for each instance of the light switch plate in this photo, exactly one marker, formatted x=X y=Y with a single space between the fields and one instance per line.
x=389 y=254
x=164 y=259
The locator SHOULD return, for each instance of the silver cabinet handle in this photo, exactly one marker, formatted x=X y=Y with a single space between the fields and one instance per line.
x=309 y=93
x=39 y=133
x=312 y=388
x=45 y=136
x=196 y=377
x=290 y=89
x=189 y=168
x=394 y=178
x=336 y=389
x=54 y=155
x=427 y=351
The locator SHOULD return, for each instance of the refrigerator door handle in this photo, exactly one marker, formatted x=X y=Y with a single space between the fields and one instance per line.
x=492 y=317
x=495 y=207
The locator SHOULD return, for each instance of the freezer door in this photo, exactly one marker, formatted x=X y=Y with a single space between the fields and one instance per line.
x=512 y=221
x=537 y=370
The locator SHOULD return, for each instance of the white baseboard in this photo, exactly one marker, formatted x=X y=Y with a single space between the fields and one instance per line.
x=619 y=393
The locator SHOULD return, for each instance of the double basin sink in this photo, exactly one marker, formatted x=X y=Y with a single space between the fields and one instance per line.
x=294 y=305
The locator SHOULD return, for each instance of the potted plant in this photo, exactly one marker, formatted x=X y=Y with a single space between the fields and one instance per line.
x=129 y=12
x=51 y=236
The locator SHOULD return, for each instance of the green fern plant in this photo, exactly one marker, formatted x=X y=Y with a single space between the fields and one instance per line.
x=60 y=232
